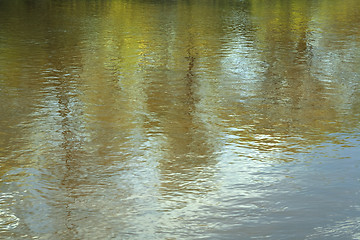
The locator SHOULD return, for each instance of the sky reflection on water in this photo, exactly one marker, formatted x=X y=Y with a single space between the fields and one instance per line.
x=179 y=120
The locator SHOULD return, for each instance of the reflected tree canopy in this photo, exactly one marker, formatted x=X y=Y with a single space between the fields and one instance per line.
x=130 y=111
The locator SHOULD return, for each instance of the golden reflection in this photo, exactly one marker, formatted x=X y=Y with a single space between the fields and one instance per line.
x=291 y=101
x=118 y=111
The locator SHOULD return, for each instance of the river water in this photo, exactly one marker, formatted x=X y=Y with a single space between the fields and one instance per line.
x=180 y=119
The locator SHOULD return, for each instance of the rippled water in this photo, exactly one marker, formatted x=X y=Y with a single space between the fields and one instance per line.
x=180 y=119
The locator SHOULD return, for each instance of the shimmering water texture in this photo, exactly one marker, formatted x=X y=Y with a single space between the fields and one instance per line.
x=180 y=119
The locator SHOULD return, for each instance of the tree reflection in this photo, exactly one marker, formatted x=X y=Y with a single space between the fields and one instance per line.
x=122 y=111
x=286 y=100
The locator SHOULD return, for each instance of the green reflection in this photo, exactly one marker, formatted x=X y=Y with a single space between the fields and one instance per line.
x=113 y=112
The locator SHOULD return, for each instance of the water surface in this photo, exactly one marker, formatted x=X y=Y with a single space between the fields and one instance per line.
x=183 y=119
